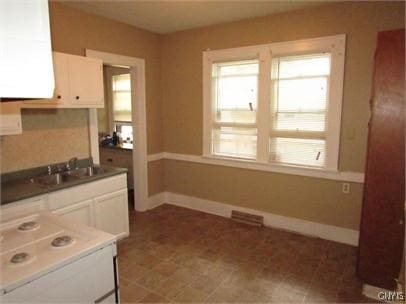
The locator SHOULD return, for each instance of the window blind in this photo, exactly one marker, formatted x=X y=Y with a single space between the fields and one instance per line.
x=122 y=98
x=235 y=98
x=300 y=86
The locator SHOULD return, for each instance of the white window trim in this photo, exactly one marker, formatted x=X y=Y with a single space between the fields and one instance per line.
x=333 y=44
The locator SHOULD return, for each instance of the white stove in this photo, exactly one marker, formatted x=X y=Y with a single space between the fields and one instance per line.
x=45 y=258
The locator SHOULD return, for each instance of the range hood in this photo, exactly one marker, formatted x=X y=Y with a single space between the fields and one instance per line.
x=26 y=68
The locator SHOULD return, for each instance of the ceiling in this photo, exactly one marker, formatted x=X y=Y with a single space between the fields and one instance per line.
x=166 y=16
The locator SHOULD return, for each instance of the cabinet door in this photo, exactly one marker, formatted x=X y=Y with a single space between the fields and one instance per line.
x=62 y=91
x=81 y=213
x=111 y=213
x=86 y=81
x=10 y=118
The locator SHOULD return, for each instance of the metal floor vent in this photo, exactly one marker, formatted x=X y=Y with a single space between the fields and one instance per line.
x=246 y=218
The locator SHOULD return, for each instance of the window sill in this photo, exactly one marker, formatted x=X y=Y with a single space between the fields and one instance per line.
x=242 y=163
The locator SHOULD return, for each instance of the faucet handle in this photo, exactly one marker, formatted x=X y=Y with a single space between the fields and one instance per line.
x=72 y=163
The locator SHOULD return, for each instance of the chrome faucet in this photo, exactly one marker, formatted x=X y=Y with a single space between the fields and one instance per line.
x=54 y=169
x=71 y=164
x=50 y=169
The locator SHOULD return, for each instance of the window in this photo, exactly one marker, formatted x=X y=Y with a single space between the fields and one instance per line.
x=235 y=98
x=278 y=103
x=121 y=94
x=298 y=109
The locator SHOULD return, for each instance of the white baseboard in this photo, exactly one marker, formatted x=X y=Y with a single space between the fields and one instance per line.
x=156 y=200
x=328 y=232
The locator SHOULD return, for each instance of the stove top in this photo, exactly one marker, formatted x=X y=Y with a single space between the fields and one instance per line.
x=38 y=243
x=62 y=241
x=28 y=226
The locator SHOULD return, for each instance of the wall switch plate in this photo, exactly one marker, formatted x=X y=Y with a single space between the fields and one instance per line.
x=346 y=188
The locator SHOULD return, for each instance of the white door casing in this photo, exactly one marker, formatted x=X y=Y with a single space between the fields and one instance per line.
x=140 y=162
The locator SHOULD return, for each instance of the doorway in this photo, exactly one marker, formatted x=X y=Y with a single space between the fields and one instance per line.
x=115 y=125
x=136 y=68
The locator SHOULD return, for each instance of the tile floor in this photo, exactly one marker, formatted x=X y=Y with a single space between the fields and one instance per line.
x=179 y=255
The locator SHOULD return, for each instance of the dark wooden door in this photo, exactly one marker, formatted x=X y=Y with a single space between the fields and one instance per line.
x=382 y=227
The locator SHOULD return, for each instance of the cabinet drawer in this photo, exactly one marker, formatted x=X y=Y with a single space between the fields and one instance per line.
x=81 y=212
x=21 y=208
x=65 y=197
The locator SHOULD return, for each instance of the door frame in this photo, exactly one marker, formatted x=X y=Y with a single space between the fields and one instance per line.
x=138 y=104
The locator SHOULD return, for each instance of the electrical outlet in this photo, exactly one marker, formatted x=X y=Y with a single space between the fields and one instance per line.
x=346 y=188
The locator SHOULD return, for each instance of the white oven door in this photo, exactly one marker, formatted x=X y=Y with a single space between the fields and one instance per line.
x=89 y=279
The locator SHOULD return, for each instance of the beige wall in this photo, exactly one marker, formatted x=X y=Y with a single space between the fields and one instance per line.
x=301 y=197
x=156 y=177
x=49 y=136
x=73 y=31
x=318 y=200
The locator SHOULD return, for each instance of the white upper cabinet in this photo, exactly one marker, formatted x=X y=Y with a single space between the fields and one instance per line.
x=78 y=83
x=86 y=81
x=26 y=69
x=62 y=94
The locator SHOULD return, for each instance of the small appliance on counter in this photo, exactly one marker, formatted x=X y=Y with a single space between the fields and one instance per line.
x=108 y=140
x=48 y=259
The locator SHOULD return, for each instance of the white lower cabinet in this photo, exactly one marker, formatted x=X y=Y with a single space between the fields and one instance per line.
x=102 y=204
x=111 y=213
x=80 y=212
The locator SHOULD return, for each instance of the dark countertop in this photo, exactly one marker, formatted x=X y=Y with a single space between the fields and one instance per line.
x=120 y=148
x=16 y=189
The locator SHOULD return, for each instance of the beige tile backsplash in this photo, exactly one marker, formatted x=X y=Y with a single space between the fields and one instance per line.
x=49 y=136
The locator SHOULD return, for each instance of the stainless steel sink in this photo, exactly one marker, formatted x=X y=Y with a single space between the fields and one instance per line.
x=52 y=179
x=84 y=172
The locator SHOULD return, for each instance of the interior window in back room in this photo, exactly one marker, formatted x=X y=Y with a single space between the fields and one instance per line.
x=116 y=116
x=121 y=114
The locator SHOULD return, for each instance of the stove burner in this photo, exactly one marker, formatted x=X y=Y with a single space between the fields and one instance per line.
x=19 y=258
x=62 y=241
x=28 y=226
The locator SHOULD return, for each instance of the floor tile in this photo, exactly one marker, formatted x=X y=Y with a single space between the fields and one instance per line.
x=226 y=293
x=184 y=274
x=151 y=280
x=166 y=268
x=295 y=283
x=282 y=295
x=322 y=294
x=133 y=293
x=170 y=288
x=181 y=255
x=205 y=283
x=132 y=272
x=154 y=298
x=191 y=295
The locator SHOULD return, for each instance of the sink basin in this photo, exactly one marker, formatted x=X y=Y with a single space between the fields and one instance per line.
x=52 y=179
x=84 y=172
